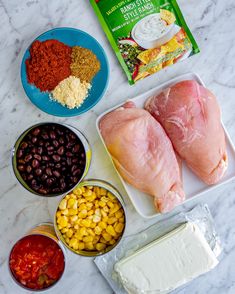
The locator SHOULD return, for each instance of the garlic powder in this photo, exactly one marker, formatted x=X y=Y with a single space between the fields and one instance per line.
x=71 y=92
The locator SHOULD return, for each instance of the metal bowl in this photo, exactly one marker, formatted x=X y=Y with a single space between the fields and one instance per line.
x=47 y=230
x=114 y=191
x=80 y=136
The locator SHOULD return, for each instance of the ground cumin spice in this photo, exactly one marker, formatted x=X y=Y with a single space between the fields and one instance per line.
x=85 y=64
x=48 y=64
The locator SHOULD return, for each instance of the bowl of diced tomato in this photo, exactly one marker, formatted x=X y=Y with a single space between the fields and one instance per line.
x=36 y=262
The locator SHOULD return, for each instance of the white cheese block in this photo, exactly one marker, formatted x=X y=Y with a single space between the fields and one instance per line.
x=167 y=263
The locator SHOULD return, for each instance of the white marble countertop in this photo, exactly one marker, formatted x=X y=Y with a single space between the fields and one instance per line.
x=212 y=22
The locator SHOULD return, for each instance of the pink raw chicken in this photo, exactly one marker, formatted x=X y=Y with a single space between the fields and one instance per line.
x=143 y=154
x=190 y=115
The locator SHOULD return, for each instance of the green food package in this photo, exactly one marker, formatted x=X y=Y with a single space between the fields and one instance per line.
x=146 y=35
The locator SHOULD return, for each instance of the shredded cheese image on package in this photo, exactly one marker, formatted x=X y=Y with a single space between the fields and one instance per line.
x=167 y=263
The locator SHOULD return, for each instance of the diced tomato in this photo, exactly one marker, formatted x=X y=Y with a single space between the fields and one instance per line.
x=37 y=261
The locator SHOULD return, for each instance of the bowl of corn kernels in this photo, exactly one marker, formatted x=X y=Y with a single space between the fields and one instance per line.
x=90 y=220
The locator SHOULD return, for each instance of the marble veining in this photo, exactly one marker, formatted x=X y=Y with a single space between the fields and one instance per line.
x=212 y=22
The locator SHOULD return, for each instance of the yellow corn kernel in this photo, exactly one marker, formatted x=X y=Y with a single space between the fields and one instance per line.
x=102 y=225
x=70 y=202
x=63 y=221
x=73 y=211
x=75 y=246
x=89 y=246
x=82 y=206
x=119 y=227
x=73 y=243
x=112 y=241
x=83 y=189
x=97 y=190
x=105 y=219
x=121 y=219
x=73 y=196
x=87 y=193
x=91 y=232
x=110 y=204
x=86 y=223
x=98 y=230
x=103 y=213
x=90 y=217
x=89 y=205
x=98 y=212
x=93 y=225
x=104 y=199
x=112 y=220
x=67 y=197
x=64 y=230
x=82 y=214
x=77 y=191
x=91 y=198
x=119 y=213
x=107 y=236
x=78 y=236
x=67 y=240
x=111 y=196
x=90 y=212
x=80 y=201
x=63 y=204
x=70 y=233
x=59 y=227
x=75 y=205
x=97 y=203
x=89 y=187
x=105 y=208
x=96 y=218
x=81 y=245
x=58 y=213
x=100 y=246
x=76 y=227
x=88 y=239
x=114 y=209
x=103 y=191
x=83 y=231
x=65 y=212
x=110 y=230
x=102 y=203
x=73 y=218
x=96 y=239
x=117 y=236
x=102 y=240
x=78 y=221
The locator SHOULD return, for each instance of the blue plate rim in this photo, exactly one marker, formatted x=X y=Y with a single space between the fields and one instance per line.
x=106 y=60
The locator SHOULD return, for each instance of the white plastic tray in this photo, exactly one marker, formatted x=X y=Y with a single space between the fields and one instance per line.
x=193 y=186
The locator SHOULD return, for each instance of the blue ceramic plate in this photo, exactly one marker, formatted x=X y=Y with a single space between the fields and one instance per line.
x=70 y=37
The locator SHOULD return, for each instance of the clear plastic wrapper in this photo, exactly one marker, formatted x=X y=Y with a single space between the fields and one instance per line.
x=200 y=215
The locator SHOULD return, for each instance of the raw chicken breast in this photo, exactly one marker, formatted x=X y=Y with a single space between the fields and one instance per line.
x=143 y=154
x=190 y=115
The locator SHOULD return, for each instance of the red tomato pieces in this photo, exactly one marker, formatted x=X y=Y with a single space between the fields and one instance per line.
x=36 y=261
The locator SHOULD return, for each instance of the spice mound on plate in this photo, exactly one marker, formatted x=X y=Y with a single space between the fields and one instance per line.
x=71 y=92
x=85 y=64
x=36 y=262
x=49 y=64
x=64 y=71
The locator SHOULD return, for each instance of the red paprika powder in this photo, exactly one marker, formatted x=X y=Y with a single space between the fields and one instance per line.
x=48 y=64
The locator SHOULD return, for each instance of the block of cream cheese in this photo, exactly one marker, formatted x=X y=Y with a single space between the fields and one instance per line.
x=167 y=263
